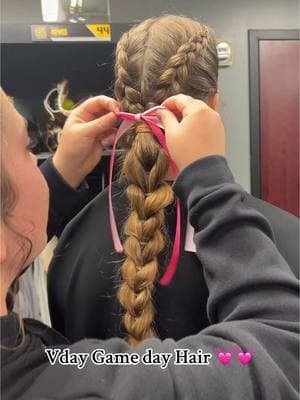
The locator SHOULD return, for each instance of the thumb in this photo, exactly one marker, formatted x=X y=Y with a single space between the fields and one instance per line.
x=168 y=119
x=98 y=127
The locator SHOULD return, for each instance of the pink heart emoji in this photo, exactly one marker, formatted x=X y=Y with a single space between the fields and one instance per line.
x=224 y=358
x=244 y=357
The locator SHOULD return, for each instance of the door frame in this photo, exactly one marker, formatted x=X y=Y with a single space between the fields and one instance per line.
x=254 y=36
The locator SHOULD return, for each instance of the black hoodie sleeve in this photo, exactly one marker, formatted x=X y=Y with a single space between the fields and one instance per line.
x=65 y=201
x=253 y=307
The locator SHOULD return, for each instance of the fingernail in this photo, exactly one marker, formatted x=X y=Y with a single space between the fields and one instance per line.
x=112 y=113
x=116 y=108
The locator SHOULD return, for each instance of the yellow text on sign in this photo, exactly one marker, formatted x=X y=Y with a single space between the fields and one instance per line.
x=100 y=30
x=40 y=32
x=59 y=32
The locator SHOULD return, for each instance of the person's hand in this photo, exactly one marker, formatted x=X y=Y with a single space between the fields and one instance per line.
x=89 y=128
x=198 y=132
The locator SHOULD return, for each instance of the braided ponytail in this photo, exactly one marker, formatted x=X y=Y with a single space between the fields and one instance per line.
x=145 y=167
x=154 y=60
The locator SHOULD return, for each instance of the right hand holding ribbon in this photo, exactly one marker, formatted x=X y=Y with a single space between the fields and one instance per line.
x=196 y=132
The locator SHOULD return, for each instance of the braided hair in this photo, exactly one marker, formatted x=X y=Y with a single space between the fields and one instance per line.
x=156 y=59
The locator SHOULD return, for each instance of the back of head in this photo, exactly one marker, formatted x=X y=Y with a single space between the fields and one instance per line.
x=158 y=58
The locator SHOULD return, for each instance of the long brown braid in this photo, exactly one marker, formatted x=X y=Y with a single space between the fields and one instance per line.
x=154 y=60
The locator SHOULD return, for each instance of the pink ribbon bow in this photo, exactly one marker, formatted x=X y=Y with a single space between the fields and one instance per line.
x=154 y=123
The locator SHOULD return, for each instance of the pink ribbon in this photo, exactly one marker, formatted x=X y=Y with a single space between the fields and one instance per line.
x=154 y=123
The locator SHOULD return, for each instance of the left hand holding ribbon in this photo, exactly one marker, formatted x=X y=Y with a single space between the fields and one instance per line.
x=89 y=128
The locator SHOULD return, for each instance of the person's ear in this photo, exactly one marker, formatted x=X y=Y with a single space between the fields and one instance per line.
x=3 y=247
x=214 y=101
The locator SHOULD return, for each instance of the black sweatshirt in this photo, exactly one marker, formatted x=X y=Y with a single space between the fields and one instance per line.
x=84 y=275
x=252 y=306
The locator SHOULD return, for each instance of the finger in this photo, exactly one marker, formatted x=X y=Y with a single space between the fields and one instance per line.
x=168 y=119
x=99 y=127
x=94 y=107
x=109 y=140
x=109 y=132
x=183 y=104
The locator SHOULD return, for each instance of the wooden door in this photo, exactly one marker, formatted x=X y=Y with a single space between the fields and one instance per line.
x=274 y=58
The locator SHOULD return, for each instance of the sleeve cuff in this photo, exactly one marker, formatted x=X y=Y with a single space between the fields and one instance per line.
x=204 y=173
x=53 y=175
x=63 y=197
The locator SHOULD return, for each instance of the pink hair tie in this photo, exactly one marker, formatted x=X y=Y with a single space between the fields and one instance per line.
x=154 y=123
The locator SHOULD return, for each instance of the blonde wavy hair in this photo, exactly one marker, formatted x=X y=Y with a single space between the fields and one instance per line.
x=158 y=58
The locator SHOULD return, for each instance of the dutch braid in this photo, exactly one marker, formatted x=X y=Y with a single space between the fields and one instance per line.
x=178 y=67
x=147 y=72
